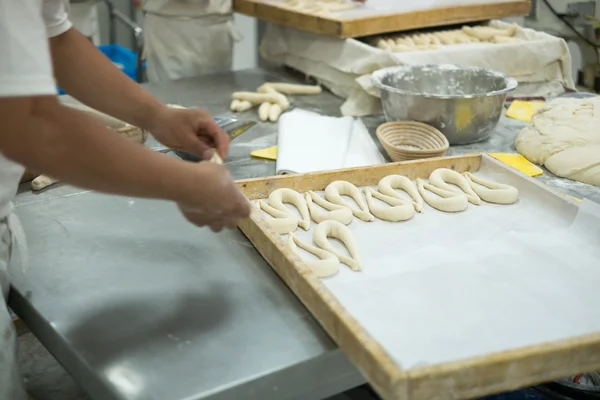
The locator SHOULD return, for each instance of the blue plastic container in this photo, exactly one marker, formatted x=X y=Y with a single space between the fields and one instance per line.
x=123 y=58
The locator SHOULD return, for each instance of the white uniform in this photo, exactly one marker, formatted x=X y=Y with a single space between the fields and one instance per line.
x=25 y=70
x=186 y=38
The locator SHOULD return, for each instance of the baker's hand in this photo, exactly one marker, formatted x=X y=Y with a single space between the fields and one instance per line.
x=215 y=200
x=192 y=130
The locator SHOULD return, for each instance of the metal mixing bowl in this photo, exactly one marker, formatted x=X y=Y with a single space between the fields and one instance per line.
x=464 y=103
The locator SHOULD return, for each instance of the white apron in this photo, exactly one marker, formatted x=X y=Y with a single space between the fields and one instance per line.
x=188 y=38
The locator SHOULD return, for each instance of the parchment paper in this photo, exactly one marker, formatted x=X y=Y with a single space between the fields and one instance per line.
x=443 y=287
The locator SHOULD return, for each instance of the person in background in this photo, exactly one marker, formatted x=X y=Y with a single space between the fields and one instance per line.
x=186 y=38
x=39 y=44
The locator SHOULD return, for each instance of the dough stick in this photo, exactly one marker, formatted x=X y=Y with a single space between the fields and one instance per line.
x=442 y=176
x=328 y=264
x=341 y=232
x=43 y=181
x=492 y=192
x=445 y=200
x=282 y=223
x=334 y=192
x=335 y=213
x=274 y=113
x=235 y=103
x=290 y=88
x=284 y=195
x=258 y=98
x=244 y=105
x=486 y=33
x=400 y=210
x=390 y=183
x=263 y=111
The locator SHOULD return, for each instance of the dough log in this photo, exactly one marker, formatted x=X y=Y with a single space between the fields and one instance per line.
x=334 y=212
x=390 y=183
x=334 y=192
x=445 y=200
x=264 y=110
x=328 y=264
x=289 y=88
x=334 y=229
x=399 y=210
x=259 y=98
x=284 y=195
x=42 y=182
x=442 y=176
x=492 y=192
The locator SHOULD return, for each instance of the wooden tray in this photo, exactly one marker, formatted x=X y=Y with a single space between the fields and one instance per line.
x=466 y=378
x=376 y=24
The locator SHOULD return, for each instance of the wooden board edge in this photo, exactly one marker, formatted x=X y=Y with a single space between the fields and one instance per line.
x=507 y=370
x=258 y=188
x=288 y=17
x=427 y=19
x=379 y=24
x=366 y=353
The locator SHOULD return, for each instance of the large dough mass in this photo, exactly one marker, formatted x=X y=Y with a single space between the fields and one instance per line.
x=565 y=137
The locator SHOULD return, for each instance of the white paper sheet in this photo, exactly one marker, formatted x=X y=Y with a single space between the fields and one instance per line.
x=444 y=287
x=309 y=142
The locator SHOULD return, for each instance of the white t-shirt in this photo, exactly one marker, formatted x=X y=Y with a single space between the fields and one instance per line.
x=25 y=65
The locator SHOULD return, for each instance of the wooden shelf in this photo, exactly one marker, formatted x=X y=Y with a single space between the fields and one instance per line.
x=278 y=13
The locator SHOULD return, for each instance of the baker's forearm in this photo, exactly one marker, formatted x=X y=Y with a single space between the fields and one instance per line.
x=86 y=74
x=72 y=147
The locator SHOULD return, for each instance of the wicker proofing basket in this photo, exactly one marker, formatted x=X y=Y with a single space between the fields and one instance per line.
x=404 y=140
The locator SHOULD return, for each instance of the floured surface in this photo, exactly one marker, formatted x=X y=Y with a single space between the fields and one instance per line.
x=444 y=287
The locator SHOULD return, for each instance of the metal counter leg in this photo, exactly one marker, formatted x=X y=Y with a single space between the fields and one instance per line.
x=11 y=382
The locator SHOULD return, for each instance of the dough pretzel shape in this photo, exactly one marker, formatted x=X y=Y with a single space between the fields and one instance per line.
x=341 y=232
x=390 y=183
x=282 y=223
x=328 y=264
x=445 y=200
x=492 y=192
x=334 y=212
x=442 y=176
x=334 y=192
x=284 y=195
x=400 y=210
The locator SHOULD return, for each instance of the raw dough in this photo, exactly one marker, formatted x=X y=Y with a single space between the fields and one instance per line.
x=334 y=192
x=284 y=195
x=486 y=33
x=328 y=264
x=335 y=212
x=274 y=112
x=264 y=111
x=492 y=192
x=569 y=126
x=259 y=98
x=390 y=183
x=400 y=210
x=282 y=222
x=442 y=176
x=341 y=232
x=43 y=181
x=289 y=88
x=445 y=200
x=240 y=105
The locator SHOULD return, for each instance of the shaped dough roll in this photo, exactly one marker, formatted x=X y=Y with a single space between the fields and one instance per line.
x=442 y=176
x=281 y=222
x=284 y=195
x=398 y=210
x=445 y=200
x=341 y=232
x=492 y=192
x=334 y=212
x=334 y=192
x=390 y=183
x=328 y=264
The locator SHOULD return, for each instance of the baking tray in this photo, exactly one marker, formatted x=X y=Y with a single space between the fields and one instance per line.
x=358 y=23
x=555 y=330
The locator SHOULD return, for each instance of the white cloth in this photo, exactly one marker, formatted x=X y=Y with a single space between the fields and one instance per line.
x=188 y=38
x=25 y=65
x=541 y=65
x=309 y=142
x=84 y=16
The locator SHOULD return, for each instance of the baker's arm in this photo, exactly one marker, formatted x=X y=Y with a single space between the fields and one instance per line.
x=89 y=76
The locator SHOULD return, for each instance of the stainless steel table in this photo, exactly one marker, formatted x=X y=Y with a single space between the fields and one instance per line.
x=137 y=304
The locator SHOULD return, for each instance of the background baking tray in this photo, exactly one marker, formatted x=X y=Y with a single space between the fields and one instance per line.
x=454 y=305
